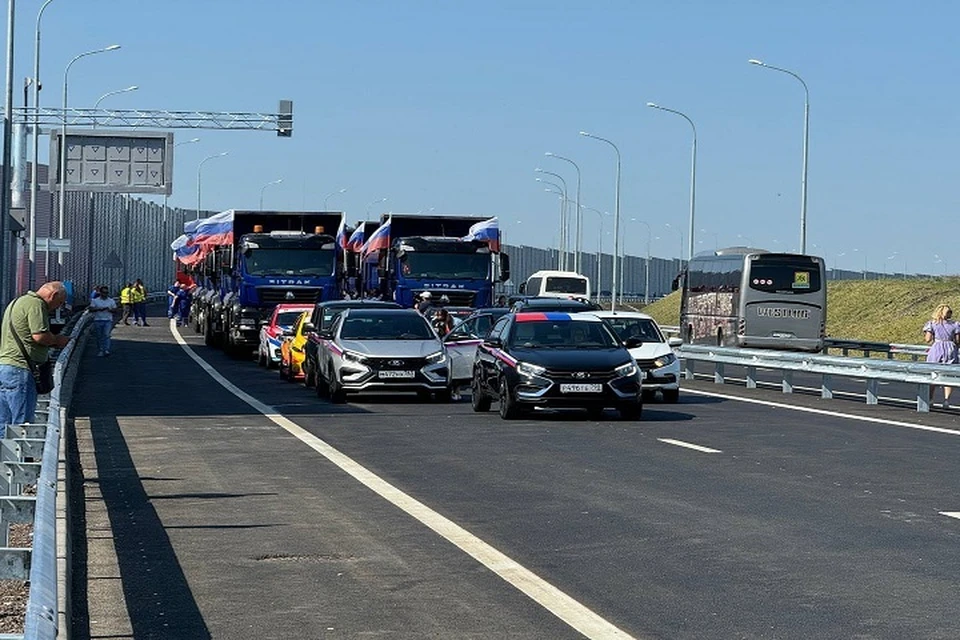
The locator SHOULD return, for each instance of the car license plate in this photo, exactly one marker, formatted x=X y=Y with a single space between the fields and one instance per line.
x=581 y=388
x=397 y=374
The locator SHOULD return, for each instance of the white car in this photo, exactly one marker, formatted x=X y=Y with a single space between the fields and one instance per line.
x=655 y=357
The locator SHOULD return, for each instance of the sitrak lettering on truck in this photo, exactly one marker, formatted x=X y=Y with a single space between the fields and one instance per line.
x=783 y=312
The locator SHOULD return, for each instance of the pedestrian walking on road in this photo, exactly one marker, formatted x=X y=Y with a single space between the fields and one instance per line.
x=943 y=336
x=25 y=341
x=126 y=301
x=184 y=297
x=103 y=309
x=139 y=300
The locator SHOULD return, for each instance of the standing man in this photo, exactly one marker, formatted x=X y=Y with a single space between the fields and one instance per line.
x=126 y=301
x=139 y=299
x=103 y=307
x=26 y=319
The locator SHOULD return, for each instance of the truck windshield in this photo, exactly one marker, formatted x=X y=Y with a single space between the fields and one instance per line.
x=290 y=262
x=445 y=265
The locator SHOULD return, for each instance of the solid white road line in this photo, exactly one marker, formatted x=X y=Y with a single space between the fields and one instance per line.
x=689 y=445
x=540 y=591
x=824 y=412
x=950 y=514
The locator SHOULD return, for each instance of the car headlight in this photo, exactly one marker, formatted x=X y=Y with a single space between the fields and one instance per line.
x=350 y=356
x=626 y=370
x=664 y=360
x=437 y=358
x=527 y=369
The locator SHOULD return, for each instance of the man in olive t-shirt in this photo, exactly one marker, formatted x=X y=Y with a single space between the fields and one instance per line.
x=29 y=316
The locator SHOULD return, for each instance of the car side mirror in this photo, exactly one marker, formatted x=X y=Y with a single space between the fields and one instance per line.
x=308 y=328
x=496 y=343
x=633 y=342
x=675 y=342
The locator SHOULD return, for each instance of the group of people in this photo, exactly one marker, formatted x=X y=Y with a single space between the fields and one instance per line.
x=180 y=295
x=133 y=299
x=439 y=317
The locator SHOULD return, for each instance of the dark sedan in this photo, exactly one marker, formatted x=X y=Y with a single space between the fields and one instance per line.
x=555 y=360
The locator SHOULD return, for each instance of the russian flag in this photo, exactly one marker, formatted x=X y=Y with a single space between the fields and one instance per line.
x=355 y=243
x=190 y=226
x=379 y=239
x=487 y=231
x=186 y=251
x=215 y=230
x=342 y=233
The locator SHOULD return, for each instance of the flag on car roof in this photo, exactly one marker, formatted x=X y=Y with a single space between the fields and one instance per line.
x=215 y=230
x=487 y=231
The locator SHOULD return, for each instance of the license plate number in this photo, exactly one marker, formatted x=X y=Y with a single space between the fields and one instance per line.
x=397 y=374
x=581 y=388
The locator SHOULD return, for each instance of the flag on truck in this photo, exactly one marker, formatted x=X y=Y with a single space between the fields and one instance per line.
x=215 y=230
x=379 y=239
x=190 y=226
x=487 y=231
x=355 y=243
x=342 y=233
x=186 y=251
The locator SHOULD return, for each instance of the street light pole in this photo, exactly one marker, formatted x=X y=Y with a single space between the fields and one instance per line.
x=330 y=196
x=165 y=195
x=578 y=239
x=616 y=217
x=806 y=139
x=96 y=104
x=646 y=269
x=367 y=214
x=277 y=181
x=5 y=172
x=693 y=175
x=63 y=147
x=199 y=167
x=600 y=215
x=34 y=170
x=563 y=218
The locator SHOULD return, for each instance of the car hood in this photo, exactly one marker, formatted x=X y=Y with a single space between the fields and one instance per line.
x=650 y=350
x=573 y=359
x=393 y=348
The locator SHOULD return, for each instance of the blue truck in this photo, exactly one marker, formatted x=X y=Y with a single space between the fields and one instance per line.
x=429 y=253
x=275 y=257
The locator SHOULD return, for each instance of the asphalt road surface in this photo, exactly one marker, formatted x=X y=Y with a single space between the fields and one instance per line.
x=728 y=515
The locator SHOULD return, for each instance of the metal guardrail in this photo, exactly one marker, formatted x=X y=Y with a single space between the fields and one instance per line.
x=20 y=449
x=873 y=371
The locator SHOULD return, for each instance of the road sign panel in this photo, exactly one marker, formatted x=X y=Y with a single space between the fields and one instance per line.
x=53 y=245
x=109 y=160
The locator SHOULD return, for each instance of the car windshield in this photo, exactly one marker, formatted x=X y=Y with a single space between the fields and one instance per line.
x=562 y=334
x=642 y=328
x=445 y=265
x=386 y=327
x=287 y=318
x=290 y=262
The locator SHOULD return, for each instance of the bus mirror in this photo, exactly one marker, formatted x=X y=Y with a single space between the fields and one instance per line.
x=675 y=342
x=504 y=267
x=675 y=284
x=522 y=288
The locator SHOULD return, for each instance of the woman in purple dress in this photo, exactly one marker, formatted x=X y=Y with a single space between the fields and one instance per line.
x=943 y=336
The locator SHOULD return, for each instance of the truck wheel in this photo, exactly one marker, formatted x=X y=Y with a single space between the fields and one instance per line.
x=208 y=337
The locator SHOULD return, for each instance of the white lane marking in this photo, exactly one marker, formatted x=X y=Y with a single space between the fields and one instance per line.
x=689 y=445
x=950 y=514
x=825 y=412
x=536 y=588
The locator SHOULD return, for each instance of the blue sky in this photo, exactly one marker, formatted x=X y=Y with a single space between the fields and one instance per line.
x=451 y=106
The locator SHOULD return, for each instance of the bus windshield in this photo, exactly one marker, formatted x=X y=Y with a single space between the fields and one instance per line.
x=475 y=266
x=290 y=262
x=785 y=277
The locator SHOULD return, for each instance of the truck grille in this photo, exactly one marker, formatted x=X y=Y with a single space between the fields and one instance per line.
x=279 y=295
x=458 y=297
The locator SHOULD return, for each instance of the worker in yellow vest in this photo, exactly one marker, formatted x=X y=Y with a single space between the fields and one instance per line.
x=139 y=299
x=126 y=301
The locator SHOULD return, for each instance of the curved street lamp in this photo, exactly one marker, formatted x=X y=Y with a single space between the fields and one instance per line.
x=578 y=240
x=563 y=218
x=63 y=143
x=373 y=203
x=96 y=104
x=693 y=174
x=806 y=139
x=616 y=218
x=330 y=195
x=199 y=167
x=272 y=182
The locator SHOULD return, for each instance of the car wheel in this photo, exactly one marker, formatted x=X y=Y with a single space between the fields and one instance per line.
x=323 y=388
x=308 y=376
x=478 y=399
x=261 y=359
x=337 y=394
x=283 y=371
x=671 y=396
x=508 y=406
x=631 y=411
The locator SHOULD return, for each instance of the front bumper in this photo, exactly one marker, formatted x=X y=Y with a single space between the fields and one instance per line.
x=355 y=376
x=545 y=391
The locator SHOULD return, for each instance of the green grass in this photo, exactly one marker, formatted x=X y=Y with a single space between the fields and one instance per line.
x=875 y=310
